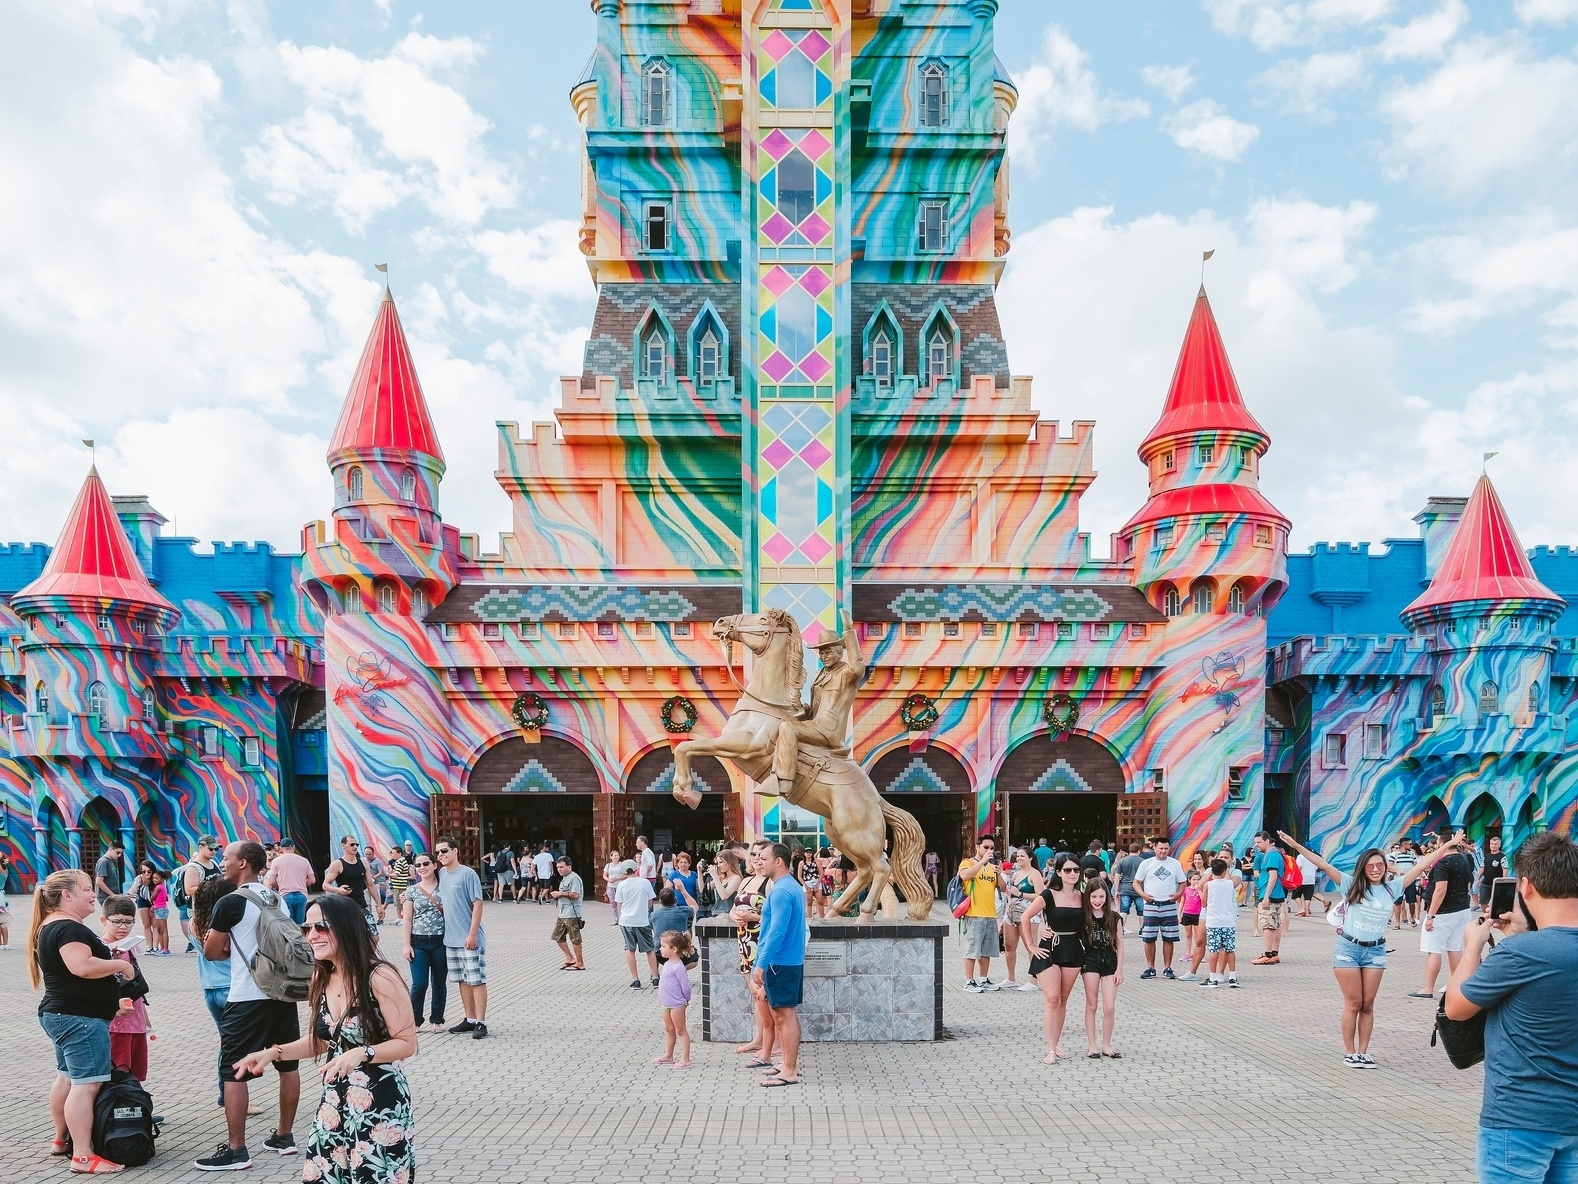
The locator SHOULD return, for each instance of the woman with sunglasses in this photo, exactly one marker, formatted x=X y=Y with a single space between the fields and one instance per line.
x=362 y=1020
x=1059 y=954
x=422 y=913
x=1024 y=882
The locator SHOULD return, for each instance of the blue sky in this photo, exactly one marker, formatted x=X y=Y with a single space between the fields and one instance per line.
x=197 y=192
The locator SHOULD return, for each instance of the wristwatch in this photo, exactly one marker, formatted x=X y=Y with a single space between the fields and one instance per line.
x=368 y=1052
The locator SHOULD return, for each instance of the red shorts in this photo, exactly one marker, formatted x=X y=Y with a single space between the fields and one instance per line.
x=129 y=1050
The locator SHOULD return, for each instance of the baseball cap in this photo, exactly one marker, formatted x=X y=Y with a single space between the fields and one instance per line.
x=291 y=843
x=628 y=866
x=208 y=841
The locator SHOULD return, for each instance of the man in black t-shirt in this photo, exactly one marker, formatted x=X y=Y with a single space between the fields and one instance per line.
x=1446 y=911
x=109 y=873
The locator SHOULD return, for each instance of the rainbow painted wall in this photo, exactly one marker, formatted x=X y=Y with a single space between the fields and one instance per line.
x=795 y=393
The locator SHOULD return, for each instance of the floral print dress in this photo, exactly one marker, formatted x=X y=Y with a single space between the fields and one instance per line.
x=362 y=1132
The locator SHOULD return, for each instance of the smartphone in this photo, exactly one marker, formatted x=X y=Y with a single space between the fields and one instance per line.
x=1503 y=895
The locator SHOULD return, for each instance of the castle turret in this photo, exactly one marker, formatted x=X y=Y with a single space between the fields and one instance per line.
x=1207 y=540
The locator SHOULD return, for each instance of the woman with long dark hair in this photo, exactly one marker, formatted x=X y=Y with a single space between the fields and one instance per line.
x=1359 y=958
x=747 y=917
x=1102 y=970
x=422 y=915
x=362 y=1020
x=1058 y=953
x=82 y=994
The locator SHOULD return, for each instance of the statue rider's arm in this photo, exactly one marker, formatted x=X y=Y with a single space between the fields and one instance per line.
x=852 y=649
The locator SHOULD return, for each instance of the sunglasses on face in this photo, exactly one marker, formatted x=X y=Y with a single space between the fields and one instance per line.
x=423 y=863
x=315 y=927
x=442 y=851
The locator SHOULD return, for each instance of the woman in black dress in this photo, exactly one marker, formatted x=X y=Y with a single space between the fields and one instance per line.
x=1059 y=952
x=1103 y=967
x=361 y=1018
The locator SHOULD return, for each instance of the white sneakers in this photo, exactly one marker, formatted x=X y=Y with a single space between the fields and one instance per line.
x=974 y=987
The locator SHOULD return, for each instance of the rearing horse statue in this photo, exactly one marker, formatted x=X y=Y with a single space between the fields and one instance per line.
x=826 y=780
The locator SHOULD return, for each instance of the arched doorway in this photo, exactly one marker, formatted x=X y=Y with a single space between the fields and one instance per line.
x=100 y=824
x=1482 y=818
x=934 y=787
x=1430 y=817
x=522 y=795
x=668 y=824
x=1064 y=791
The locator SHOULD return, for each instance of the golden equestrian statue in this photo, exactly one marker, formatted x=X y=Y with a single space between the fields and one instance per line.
x=799 y=753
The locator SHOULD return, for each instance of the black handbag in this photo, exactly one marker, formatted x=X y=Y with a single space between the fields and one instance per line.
x=1464 y=1040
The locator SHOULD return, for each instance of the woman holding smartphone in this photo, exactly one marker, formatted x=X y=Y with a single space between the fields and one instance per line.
x=1359 y=958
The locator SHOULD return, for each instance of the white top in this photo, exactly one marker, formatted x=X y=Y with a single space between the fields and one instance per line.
x=1308 y=870
x=649 y=864
x=1221 y=903
x=543 y=861
x=244 y=946
x=1162 y=879
x=1367 y=920
x=634 y=896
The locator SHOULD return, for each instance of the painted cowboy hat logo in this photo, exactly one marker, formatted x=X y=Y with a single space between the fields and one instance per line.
x=1220 y=676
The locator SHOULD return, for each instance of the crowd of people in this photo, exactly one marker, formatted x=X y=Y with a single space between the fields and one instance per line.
x=269 y=935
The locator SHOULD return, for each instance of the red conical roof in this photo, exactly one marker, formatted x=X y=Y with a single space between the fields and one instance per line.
x=1484 y=560
x=384 y=407
x=94 y=558
x=1204 y=394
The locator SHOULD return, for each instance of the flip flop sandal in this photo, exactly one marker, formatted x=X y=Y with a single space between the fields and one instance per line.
x=775 y=1082
x=1113 y=1056
x=1093 y=1056
x=758 y=1063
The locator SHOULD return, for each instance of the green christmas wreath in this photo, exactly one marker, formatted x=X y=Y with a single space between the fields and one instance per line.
x=687 y=714
x=529 y=711
x=1061 y=715
x=918 y=712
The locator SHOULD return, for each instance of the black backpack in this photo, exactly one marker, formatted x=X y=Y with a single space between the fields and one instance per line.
x=123 y=1129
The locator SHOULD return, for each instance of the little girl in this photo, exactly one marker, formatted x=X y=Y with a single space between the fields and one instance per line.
x=129 y=1031
x=1102 y=970
x=161 y=914
x=1189 y=917
x=673 y=993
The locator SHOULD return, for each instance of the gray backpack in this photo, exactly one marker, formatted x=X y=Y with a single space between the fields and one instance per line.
x=282 y=966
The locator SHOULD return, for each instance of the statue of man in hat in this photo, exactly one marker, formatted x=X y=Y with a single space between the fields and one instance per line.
x=825 y=723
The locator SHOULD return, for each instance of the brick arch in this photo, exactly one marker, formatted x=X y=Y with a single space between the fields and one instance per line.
x=1076 y=762
x=654 y=773
x=552 y=765
x=935 y=770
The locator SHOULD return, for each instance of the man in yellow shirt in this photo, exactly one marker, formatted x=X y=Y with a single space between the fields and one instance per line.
x=980 y=877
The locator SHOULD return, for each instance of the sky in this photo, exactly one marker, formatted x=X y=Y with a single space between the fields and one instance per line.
x=195 y=193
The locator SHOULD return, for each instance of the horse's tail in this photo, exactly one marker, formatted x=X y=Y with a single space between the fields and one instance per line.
x=909 y=848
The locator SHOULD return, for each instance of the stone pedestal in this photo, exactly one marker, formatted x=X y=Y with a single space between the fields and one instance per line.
x=867 y=982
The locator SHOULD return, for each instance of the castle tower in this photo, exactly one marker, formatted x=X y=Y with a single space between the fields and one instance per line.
x=94 y=624
x=1207 y=540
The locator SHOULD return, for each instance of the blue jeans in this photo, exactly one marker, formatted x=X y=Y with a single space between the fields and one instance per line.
x=1128 y=901
x=429 y=964
x=1526 y=1157
x=215 y=998
x=296 y=905
x=82 y=1046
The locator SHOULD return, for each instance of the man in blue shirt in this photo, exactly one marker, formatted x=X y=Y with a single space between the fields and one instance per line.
x=780 y=961
x=1528 y=988
x=1043 y=854
x=1270 y=868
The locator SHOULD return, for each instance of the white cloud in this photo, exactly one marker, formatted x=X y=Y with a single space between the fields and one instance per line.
x=1551 y=11
x=1274 y=24
x=1171 y=81
x=1505 y=267
x=1304 y=85
x=543 y=262
x=1205 y=128
x=1492 y=107
x=1310 y=244
x=1425 y=36
x=1059 y=89
x=424 y=140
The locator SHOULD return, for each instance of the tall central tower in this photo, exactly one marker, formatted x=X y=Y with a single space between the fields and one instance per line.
x=795 y=306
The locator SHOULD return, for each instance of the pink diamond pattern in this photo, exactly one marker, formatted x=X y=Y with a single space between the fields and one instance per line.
x=813 y=144
x=815 y=281
x=776 y=144
x=814 y=454
x=816 y=548
x=815 y=228
x=777 y=228
x=778 y=548
x=778 y=281
x=776 y=44
x=813 y=45
x=777 y=366
x=815 y=367
x=778 y=454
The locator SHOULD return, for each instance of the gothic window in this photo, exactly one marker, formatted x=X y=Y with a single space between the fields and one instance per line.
x=657 y=94
x=353 y=599
x=40 y=699
x=708 y=356
x=655 y=226
x=419 y=605
x=882 y=359
x=1235 y=599
x=796 y=186
x=1170 y=605
x=932 y=227
x=934 y=95
x=386 y=598
x=1437 y=703
x=1489 y=698
x=1534 y=699
x=353 y=484
x=150 y=704
x=1200 y=598
x=796 y=79
x=939 y=355
x=98 y=701
x=408 y=485
x=654 y=355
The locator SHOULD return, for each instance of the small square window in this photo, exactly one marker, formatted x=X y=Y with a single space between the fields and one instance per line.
x=1235 y=783
x=876 y=630
x=1169 y=461
x=1025 y=629
x=643 y=628
x=1275 y=736
x=605 y=630
x=566 y=630
x=1336 y=750
x=1158 y=780
x=1101 y=631
x=530 y=630
x=1207 y=454
x=104 y=622
x=1065 y=630
x=492 y=630
x=251 y=752
x=451 y=631
x=933 y=226
x=914 y=629
x=950 y=628
x=679 y=629
x=1137 y=630
x=1262 y=536
x=988 y=628
x=1216 y=532
x=1164 y=536
x=139 y=626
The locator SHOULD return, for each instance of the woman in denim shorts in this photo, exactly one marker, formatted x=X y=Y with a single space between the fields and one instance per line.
x=82 y=989
x=1359 y=958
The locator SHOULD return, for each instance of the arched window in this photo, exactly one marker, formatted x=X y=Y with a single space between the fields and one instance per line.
x=933 y=95
x=1200 y=599
x=419 y=604
x=882 y=359
x=1170 y=604
x=654 y=355
x=98 y=701
x=353 y=484
x=1235 y=599
x=1534 y=699
x=353 y=599
x=707 y=358
x=939 y=356
x=40 y=699
x=386 y=598
x=657 y=105
x=1489 y=698
x=1437 y=703
x=150 y=704
x=408 y=485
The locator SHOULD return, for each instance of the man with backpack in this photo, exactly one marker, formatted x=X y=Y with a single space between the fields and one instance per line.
x=202 y=867
x=252 y=1020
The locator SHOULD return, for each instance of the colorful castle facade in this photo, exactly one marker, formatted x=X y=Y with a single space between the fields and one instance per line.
x=796 y=394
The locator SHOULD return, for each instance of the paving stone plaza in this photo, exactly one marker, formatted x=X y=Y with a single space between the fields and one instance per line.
x=1246 y=1085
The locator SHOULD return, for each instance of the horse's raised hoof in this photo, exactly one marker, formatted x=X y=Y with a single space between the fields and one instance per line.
x=691 y=797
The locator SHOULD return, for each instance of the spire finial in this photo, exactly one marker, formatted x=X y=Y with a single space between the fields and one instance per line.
x=93 y=456
x=384 y=267
x=1484 y=461
x=1204 y=255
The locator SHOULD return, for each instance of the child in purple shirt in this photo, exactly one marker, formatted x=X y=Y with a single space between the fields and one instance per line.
x=673 y=994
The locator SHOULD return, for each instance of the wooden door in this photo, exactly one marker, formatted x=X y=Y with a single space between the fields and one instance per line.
x=458 y=816
x=1142 y=816
x=966 y=824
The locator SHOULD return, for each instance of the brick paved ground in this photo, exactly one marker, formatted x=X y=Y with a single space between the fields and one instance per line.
x=1212 y=1085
